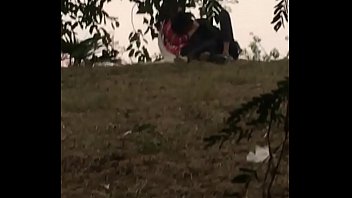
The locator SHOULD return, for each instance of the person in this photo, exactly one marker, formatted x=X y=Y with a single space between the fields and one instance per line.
x=173 y=42
x=218 y=44
x=169 y=41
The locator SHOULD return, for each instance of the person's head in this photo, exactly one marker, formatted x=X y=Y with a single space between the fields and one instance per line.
x=167 y=11
x=182 y=23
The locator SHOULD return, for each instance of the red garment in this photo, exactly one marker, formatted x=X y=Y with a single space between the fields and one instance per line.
x=172 y=42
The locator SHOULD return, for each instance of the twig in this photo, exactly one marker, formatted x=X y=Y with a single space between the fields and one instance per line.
x=281 y=154
x=132 y=19
x=134 y=29
x=270 y=153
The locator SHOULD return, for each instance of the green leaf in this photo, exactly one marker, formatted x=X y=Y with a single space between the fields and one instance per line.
x=141 y=59
x=285 y=15
x=244 y=178
x=149 y=7
x=145 y=51
x=91 y=29
x=277 y=26
x=129 y=47
x=145 y=21
x=137 y=53
x=105 y=32
x=217 y=7
x=279 y=4
x=131 y=53
x=117 y=24
x=151 y=22
x=100 y=17
x=68 y=23
x=278 y=9
x=97 y=35
x=276 y=18
x=138 y=42
x=141 y=9
x=74 y=25
x=147 y=31
x=134 y=37
x=154 y=34
x=130 y=36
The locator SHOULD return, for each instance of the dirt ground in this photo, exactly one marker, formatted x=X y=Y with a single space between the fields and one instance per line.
x=138 y=131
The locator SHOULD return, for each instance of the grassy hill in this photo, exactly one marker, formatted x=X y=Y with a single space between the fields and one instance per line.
x=137 y=131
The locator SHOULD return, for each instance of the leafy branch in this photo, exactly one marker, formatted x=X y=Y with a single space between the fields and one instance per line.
x=280 y=14
x=88 y=15
x=258 y=114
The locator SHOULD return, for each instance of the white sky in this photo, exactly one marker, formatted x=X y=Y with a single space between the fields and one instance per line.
x=247 y=16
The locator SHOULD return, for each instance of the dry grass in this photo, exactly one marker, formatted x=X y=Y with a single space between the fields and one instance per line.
x=168 y=109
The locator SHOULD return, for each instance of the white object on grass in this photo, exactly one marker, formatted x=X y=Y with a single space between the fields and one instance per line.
x=127 y=132
x=260 y=154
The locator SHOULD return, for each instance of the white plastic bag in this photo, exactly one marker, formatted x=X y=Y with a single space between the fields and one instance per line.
x=260 y=154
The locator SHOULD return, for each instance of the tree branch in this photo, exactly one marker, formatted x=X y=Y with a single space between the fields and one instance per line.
x=281 y=153
x=270 y=153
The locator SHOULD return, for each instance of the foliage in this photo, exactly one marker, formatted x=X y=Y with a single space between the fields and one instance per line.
x=87 y=15
x=80 y=50
x=256 y=50
x=135 y=49
x=90 y=15
x=260 y=113
x=255 y=47
x=207 y=9
x=280 y=14
x=275 y=53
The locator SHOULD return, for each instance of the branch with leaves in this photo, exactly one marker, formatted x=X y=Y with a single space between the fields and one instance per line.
x=88 y=15
x=280 y=14
x=256 y=49
x=259 y=113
